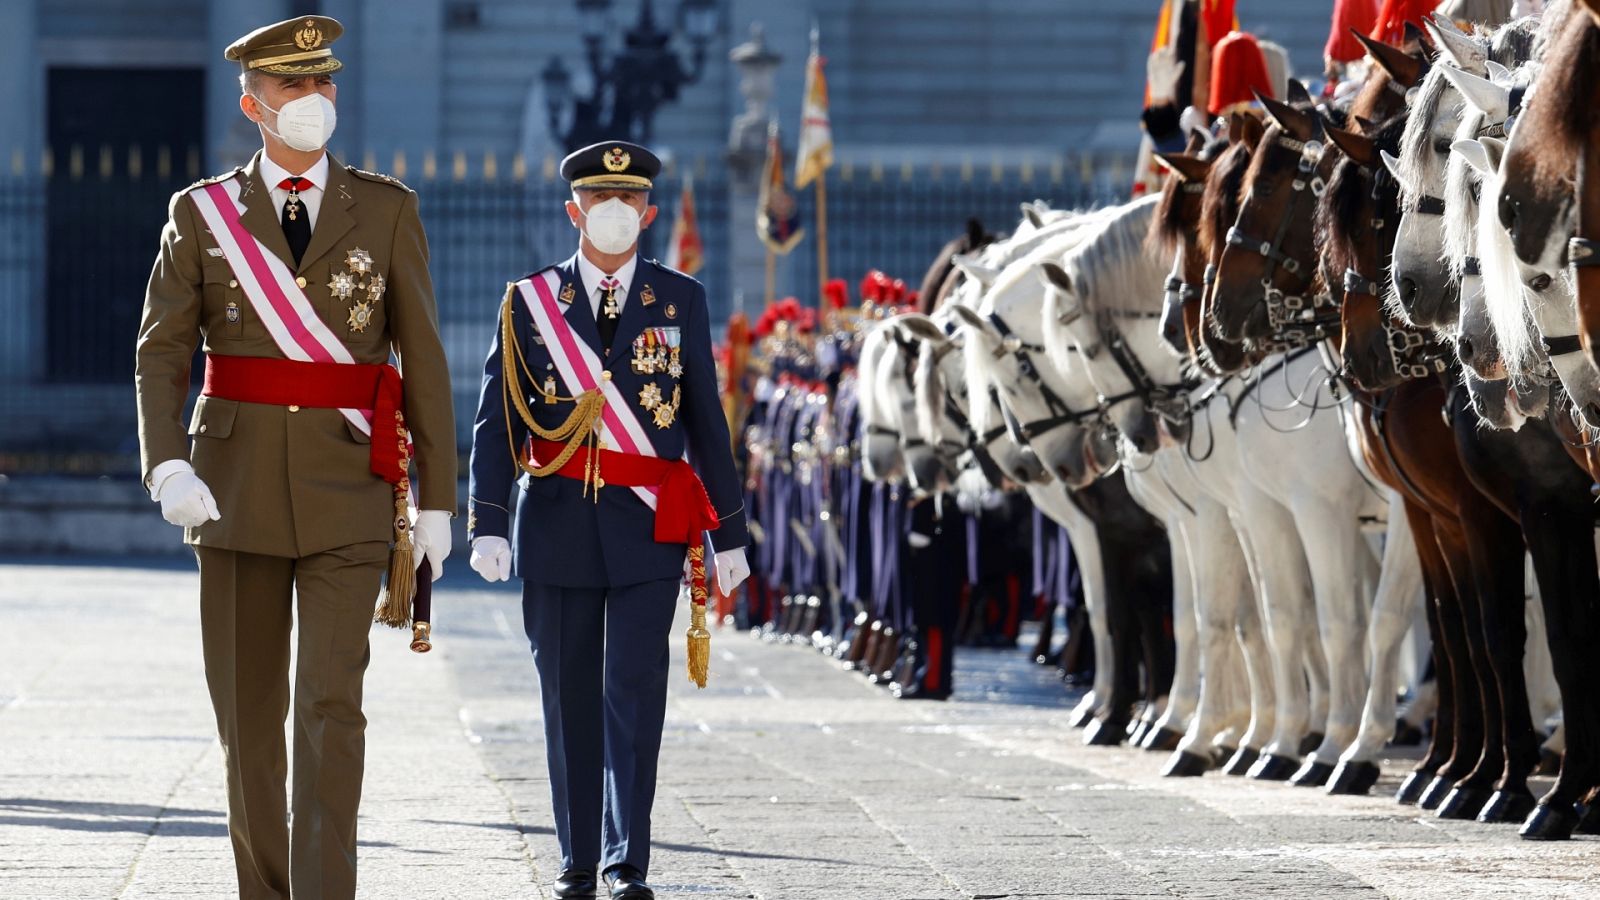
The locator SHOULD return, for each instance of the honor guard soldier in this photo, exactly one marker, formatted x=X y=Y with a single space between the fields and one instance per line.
x=599 y=380
x=300 y=277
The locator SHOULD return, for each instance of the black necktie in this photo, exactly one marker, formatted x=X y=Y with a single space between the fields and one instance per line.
x=296 y=218
x=608 y=312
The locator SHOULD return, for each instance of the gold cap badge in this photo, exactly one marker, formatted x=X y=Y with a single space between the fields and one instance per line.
x=617 y=160
x=308 y=37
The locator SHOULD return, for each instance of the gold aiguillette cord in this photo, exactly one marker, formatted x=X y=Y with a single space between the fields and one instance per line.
x=577 y=431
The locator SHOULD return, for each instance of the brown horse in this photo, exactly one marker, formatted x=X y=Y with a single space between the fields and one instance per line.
x=1468 y=545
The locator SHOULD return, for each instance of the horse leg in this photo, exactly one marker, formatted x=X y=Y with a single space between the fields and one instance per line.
x=1190 y=545
x=1248 y=602
x=1281 y=572
x=1085 y=541
x=1336 y=553
x=1511 y=751
x=1393 y=612
x=1564 y=559
x=1477 y=708
x=1218 y=566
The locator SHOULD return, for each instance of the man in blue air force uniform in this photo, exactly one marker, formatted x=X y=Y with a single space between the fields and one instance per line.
x=600 y=579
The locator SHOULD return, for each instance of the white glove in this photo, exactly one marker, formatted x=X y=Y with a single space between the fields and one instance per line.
x=1193 y=120
x=185 y=500
x=491 y=558
x=732 y=568
x=430 y=539
x=1162 y=71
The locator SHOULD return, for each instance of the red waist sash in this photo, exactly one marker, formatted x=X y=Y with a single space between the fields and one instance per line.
x=683 y=509
x=288 y=382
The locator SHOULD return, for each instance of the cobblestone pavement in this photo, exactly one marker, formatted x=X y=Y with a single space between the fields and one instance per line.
x=787 y=779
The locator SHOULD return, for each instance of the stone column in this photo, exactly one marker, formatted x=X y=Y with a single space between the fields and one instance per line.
x=747 y=151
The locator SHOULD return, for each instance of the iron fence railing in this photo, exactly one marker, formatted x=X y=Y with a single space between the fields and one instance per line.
x=77 y=240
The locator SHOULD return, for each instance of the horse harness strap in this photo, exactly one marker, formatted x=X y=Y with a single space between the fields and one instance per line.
x=1583 y=252
x=1060 y=413
x=1262 y=375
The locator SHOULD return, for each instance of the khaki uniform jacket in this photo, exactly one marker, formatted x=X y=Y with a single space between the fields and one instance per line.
x=295 y=482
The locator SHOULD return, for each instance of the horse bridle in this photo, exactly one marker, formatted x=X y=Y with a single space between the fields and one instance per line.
x=1286 y=312
x=1157 y=398
x=1412 y=354
x=1011 y=344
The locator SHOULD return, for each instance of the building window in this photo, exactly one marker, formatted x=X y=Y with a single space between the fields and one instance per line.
x=461 y=15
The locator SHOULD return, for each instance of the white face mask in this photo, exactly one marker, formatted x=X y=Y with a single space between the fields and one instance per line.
x=304 y=124
x=612 y=226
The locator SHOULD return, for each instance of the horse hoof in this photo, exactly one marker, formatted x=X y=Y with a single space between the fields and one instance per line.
x=1312 y=774
x=1411 y=789
x=1310 y=743
x=1405 y=734
x=1439 y=788
x=1549 y=763
x=1589 y=817
x=1082 y=719
x=1162 y=740
x=1240 y=762
x=1137 y=732
x=1099 y=733
x=1274 y=767
x=1184 y=764
x=1353 y=778
x=1550 y=822
x=1463 y=803
x=1506 y=806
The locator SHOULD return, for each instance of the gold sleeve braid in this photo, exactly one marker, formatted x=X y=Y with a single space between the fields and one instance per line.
x=579 y=427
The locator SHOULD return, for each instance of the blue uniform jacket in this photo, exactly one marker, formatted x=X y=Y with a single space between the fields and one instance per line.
x=558 y=536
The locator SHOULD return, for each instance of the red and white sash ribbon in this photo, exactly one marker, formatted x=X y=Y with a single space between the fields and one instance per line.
x=270 y=286
x=580 y=366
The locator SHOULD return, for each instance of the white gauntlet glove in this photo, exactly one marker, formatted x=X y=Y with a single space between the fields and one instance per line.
x=431 y=539
x=1162 y=71
x=491 y=558
x=185 y=500
x=732 y=568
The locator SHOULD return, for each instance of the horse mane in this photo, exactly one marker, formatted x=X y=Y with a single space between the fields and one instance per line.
x=1347 y=192
x=1513 y=44
x=928 y=385
x=1220 y=205
x=1562 y=111
x=1416 y=143
x=937 y=279
x=1488 y=12
x=1111 y=268
x=879 y=339
x=1502 y=285
x=1169 y=226
x=1461 y=201
x=982 y=369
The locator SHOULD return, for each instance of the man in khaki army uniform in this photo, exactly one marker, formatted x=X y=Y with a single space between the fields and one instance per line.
x=300 y=276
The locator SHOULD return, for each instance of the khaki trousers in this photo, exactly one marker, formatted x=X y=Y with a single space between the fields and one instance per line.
x=247 y=608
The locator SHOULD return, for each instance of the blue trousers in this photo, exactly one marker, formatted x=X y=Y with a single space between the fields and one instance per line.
x=602 y=657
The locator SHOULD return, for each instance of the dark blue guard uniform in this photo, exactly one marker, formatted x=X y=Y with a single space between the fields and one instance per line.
x=599 y=592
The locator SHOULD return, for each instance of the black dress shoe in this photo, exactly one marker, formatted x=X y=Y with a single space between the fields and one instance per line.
x=627 y=883
x=575 y=884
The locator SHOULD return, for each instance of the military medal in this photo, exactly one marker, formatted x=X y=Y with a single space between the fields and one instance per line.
x=550 y=389
x=611 y=309
x=650 y=396
x=360 y=316
x=665 y=412
x=567 y=293
x=358 y=261
x=343 y=286
x=672 y=310
x=660 y=364
x=675 y=365
x=233 y=312
x=292 y=208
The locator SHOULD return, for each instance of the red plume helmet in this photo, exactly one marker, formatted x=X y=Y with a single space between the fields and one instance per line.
x=1237 y=68
x=1359 y=15
x=1392 y=19
x=837 y=293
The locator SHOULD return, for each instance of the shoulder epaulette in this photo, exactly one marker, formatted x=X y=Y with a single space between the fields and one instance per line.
x=378 y=177
x=663 y=267
x=214 y=179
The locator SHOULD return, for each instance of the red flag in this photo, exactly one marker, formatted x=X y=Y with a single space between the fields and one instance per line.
x=686 y=252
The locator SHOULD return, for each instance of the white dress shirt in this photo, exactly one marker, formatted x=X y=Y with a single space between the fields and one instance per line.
x=592 y=276
x=310 y=198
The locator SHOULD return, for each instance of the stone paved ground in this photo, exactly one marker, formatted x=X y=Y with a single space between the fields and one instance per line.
x=786 y=780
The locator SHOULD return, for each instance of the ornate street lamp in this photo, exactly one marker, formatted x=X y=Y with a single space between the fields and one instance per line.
x=630 y=84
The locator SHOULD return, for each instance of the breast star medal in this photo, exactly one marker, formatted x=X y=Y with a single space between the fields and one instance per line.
x=343 y=286
x=665 y=412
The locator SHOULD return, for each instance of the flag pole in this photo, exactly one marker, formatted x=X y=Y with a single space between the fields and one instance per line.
x=822 y=233
x=772 y=276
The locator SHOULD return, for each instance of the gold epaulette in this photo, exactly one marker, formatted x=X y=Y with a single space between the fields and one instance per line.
x=378 y=177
